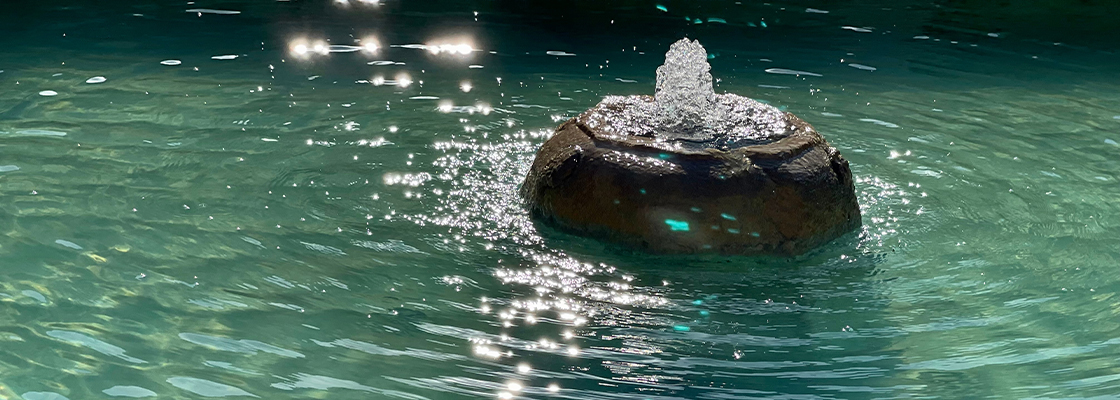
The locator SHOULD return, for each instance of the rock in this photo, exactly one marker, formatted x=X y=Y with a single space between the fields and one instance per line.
x=783 y=195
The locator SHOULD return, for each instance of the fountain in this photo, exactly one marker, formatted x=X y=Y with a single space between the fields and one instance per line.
x=688 y=170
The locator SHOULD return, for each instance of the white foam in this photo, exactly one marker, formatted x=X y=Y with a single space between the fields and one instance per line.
x=559 y=53
x=855 y=29
x=48 y=93
x=863 y=67
x=96 y=79
x=225 y=57
x=8 y=168
x=170 y=62
x=815 y=11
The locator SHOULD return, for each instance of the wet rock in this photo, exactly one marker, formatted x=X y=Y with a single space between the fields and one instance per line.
x=783 y=192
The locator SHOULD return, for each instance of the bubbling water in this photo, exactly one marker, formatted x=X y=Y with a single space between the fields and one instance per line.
x=685 y=108
x=684 y=92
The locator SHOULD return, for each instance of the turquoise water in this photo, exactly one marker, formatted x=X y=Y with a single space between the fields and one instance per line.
x=277 y=226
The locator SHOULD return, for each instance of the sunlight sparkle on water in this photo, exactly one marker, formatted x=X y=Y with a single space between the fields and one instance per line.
x=446 y=106
x=403 y=80
x=448 y=48
x=302 y=48
x=370 y=45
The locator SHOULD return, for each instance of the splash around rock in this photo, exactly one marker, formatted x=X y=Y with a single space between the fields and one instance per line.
x=691 y=171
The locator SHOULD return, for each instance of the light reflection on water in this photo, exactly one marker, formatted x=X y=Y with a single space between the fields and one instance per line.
x=344 y=222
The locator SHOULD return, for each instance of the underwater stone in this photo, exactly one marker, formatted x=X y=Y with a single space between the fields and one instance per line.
x=691 y=171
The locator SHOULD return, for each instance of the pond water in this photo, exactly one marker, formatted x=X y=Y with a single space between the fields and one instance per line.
x=194 y=206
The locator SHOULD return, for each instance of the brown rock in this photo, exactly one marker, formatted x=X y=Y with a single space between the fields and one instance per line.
x=783 y=197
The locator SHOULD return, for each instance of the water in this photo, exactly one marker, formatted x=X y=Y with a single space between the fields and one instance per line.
x=278 y=225
x=684 y=95
x=686 y=111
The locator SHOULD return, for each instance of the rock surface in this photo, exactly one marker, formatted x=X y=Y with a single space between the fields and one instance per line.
x=781 y=193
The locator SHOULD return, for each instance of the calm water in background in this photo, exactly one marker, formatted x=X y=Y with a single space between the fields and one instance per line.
x=278 y=227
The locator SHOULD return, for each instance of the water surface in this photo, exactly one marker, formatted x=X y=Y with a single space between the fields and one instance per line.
x=195 y=224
